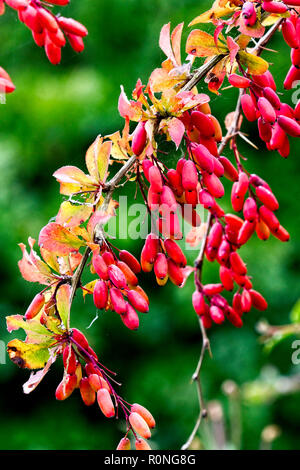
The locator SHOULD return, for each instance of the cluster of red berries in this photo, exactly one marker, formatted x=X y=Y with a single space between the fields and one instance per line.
x=50 y=31
x=94 y=385
x=118 y=282
x=166 y=257
x=276 y=120
x=291 y=35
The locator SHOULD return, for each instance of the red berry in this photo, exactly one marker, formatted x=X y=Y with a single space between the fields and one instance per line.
x=35 y=306
x=100 y=294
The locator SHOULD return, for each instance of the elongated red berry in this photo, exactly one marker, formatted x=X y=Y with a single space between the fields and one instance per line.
x=246 y=232
x=72 y=26
x=269 y=218
x=248 y=108
x=161 y=266
x=117 y=300
x=130 y=318
x=226 y=278
x=274 y=7
x=140 y=444
x=137 y=301
x=66 y=387
x=167 y=198
x=79 y=337
x=203 y=157
x=246 y=301
x=272 y=96
x=258 y=300
x=124 y=444
x=267 y=198
x=155 y=179
x=69 y=359
x=53 y=52
x=262 y=230
x=234 y=317
x=213 y=184
x=175 y=273
x=117 y=277
x=87 y=393
x=249 y=13
x=289 y=33
x=216 y=314
x=266 y=110
x=238 y=81
x=212 y=289
x=131 y=260
x=139 y=425
x=105 y=403
x=223 y=251
x=281 y=233
x=139 y=139
x=100 y=294
x=131 y=278
x=100 y=266
x=175 y=252
x=199 y=303
x=203 y=123
x=144 y=413
x=250 y=209
x=290 y=126
x=189 y=176
x=237 y=264
x=76 y=42
x=35 y=306
x=291 y=78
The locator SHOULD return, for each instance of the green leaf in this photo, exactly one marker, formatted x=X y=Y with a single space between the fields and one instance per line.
x=63 y=303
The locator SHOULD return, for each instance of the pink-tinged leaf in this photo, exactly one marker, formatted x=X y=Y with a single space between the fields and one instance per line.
x=31 y=327
x=176 y=130
x=165 y=42
x=217 y=33
x=186 y=273
x=202 y=44
x=61 y=241
x=91 y=158
x=32 y=268
x=63 y=303
x=176 y=42
x=101 y=217
x=71 y=215
x=233 y=49
x=216 y=76
x=256 y=31
x=36 y=377
x=74 y=260
x=161 y=79
x=131 y=110
x=73 y=175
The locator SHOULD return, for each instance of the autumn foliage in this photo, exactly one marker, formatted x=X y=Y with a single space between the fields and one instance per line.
x=169 y=108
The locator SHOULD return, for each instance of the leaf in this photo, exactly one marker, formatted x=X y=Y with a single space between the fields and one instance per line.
x=295 y=313
x=28 y=355
x=32 y=268
x=70 y=215
x=176 y=130
x=89 y=288
x=58 y=239
x=255 y=31
x=97 y=159
x=202 y=44
x=36 y=377
x=165 y=42
x=176 y=42
x=131 y=110
x=101 y=217
x=15 y=322
x=73 y=180
x=256 y=65
x=233 y=49
x=218 y=10
x=63 y=303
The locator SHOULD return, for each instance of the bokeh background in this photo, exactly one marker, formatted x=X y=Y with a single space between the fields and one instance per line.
x=50 y=120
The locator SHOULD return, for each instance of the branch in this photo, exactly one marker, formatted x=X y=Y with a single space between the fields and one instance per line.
x=231 y=134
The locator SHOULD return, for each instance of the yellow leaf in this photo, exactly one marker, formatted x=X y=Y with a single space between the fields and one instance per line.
x=27 y=355
x=256 y=65
x=70 y=215
x=63 y=303
x=202 y=44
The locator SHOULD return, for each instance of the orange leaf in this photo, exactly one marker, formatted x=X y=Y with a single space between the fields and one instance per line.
x=58 y=239
x=202 y=44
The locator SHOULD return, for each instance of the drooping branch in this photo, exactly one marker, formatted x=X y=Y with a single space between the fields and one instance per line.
x=231 y=135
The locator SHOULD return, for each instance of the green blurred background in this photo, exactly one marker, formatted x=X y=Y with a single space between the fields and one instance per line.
x=50 y=120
